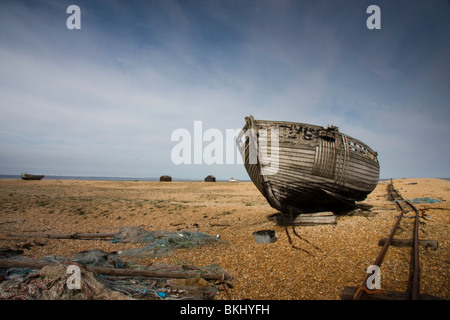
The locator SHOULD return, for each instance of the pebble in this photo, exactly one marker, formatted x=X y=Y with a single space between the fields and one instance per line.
x=261 y=271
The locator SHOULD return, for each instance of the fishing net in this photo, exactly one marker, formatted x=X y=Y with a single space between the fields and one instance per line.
x=160 y=242
x=421 y=200
x=155 y=289
x=99 y=258
x=134 y=235
x=424 y=200
x=50 y=283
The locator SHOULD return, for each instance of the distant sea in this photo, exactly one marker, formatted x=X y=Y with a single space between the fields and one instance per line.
x=17 y=176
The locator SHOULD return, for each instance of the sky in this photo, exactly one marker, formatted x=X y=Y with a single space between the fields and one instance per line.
x=105 y=99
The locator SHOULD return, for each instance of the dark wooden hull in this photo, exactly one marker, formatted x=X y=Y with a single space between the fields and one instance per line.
x=318 y=169
x=27 y=176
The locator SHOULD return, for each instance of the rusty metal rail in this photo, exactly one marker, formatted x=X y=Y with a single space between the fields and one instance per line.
x=415 y=269
x=414 y=286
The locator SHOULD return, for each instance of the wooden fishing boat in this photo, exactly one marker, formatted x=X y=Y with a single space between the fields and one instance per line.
x=27 y=176
x=308 y=168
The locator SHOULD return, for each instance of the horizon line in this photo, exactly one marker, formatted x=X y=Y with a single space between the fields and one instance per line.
x=175 y=178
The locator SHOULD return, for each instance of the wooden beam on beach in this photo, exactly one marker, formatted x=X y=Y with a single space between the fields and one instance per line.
x=7 y=263
x=81 y=236
x=304 y=219
x=409 y=242
x=220 y=225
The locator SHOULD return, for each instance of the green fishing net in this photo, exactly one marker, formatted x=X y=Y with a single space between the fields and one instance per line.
x=158 y=243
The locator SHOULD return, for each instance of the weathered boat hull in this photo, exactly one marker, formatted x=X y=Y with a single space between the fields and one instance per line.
x=27 y=176
x=316 y=169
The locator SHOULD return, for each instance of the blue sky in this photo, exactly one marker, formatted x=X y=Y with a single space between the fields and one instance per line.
x=105 y=99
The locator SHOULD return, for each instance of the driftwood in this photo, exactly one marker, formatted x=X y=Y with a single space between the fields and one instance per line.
x=65 y=235
x=9 y=252
x=6 y=264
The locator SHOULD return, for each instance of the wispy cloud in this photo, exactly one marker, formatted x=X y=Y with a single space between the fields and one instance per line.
x=105 y=99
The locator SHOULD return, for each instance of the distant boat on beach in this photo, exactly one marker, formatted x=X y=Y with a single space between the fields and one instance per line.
x=210 y=178
x=233 y=180
x=316 y=169
x=27 y=176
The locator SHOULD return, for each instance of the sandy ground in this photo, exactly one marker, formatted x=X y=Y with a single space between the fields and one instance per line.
x=334 y=257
